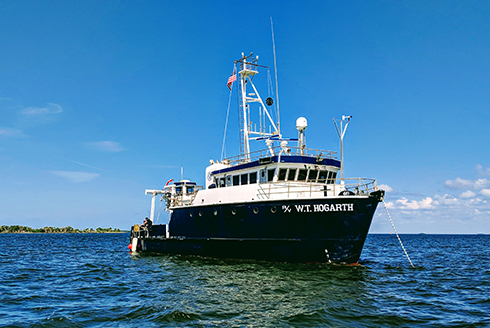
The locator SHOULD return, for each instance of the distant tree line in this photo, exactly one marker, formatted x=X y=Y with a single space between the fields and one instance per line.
x=68 y=229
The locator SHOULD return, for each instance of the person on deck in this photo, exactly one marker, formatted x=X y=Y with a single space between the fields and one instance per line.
x=147 y=223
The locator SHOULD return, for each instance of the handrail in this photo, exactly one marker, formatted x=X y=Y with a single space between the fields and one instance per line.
x=275 y=151
x=183 y=198
x=354 y=186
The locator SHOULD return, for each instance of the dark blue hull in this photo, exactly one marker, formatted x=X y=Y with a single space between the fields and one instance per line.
x=314 y=230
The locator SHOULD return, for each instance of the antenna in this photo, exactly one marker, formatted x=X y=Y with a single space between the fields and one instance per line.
x=277 y=86
x=345 y=119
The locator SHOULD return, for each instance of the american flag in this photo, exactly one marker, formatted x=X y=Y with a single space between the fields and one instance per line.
x=231 y=79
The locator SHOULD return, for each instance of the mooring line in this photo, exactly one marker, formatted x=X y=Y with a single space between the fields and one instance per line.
x=393 y=224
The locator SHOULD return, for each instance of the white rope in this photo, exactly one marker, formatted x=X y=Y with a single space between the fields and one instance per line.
x=393 y=225
x=226 y=125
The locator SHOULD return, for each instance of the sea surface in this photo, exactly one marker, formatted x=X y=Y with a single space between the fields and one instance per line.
x=91 y=280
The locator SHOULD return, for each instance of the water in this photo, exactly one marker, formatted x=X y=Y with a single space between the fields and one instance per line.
x=90 y=280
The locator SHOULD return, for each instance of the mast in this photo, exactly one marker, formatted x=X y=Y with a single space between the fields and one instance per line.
x=248 y=69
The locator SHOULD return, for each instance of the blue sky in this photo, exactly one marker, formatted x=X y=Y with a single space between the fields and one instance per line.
x=100 y=100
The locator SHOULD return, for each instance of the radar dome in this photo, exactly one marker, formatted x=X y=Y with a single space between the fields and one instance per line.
x=301 y=124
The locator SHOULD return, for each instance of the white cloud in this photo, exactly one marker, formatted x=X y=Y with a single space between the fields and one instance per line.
x=485 y=192
x=75 y=176
x=385 y=188
x=50 y=109
x=446 y=200
x=467 y=184
x=110 y=146
x=9 y=132
x=467 y=194
x=481 y=171
x=405 y=204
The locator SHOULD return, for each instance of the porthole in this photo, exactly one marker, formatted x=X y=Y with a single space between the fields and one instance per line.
x=215 y=212
x=233 y=211
x=190 y=214
x=256 y=210
x=200 y=213
x=273 y=209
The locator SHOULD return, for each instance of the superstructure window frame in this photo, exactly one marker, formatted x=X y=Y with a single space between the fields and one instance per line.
x=292 y=174
x=252 y=178
x=282 y=174
x=270 y=174
x=312 y=175
x=322 y=176
x=302 y=174
x=244 y=179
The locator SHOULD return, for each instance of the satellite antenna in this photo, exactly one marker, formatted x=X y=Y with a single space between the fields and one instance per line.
x=301 y=125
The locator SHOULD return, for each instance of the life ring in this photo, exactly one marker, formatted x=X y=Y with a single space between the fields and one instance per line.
x=136 y=228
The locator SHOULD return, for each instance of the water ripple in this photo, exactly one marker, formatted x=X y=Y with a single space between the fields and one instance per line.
x=91 y=281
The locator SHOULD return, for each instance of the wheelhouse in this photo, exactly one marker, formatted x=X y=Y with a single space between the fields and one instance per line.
x=300 y=169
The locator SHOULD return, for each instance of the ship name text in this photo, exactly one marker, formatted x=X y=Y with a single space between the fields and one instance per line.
x=314 y=208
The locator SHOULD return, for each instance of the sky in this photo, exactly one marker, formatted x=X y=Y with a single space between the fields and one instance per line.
x=100 y=100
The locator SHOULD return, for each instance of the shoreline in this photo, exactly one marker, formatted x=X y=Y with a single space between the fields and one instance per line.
x=68 y=229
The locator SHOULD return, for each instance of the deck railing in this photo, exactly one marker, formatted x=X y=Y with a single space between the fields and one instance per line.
x=285 y=189
x=274 y=151
x=182 y=198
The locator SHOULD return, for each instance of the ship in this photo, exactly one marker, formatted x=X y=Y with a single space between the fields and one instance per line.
x=283 y=202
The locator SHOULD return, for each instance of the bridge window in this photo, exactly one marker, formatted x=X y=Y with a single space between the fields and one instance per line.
x=253 y=177
x=302 y=174
x=228 y=181
x=222 y=182
x=312 y=175
x=331 y=177
x=270 y=175
x=190 y=189
x=282 y=174
x=291 y=174
x=236 y=180
x=322 y=177
x=244 y=179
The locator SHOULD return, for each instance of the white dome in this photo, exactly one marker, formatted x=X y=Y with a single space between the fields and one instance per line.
x=301 y=124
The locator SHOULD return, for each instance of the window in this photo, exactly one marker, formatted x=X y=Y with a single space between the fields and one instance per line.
x=244 y=179
x=302 y=174
x=253 y=177
x=282 y=174
x=322 y=177
x=178 y=190
x=236 y=180
x=312 y=175
x=228 y=181
x=334 y=176
x=291 y=174
x=270 y=175
x=190 y=189
x=222 y=182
